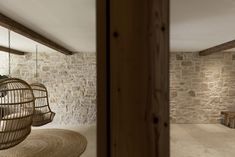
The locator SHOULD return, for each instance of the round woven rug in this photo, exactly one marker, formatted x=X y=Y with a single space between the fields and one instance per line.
x=49 y=143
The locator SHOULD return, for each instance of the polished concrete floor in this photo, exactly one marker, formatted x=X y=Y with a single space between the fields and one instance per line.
x=187 y=140
x=202 y=140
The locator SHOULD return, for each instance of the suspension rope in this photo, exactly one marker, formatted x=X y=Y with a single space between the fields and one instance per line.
x=9 y=52
x=36 y=75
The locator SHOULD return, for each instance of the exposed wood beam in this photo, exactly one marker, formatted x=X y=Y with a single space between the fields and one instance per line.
x=12 y=51
x=29 y=33
x=218 y=48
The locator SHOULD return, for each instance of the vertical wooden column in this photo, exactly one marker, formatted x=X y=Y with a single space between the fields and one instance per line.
x=130 y=73
x=159 y=55
x=133 y=78
x=139 y=49
x=103 y=123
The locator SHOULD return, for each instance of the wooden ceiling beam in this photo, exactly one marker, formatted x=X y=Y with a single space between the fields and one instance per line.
x=218 y=48
x=29 y=33
x=12 y=51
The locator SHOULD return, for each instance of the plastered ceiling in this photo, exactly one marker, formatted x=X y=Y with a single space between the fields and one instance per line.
x=200 y=24
x=195 y=24
x=70 y=23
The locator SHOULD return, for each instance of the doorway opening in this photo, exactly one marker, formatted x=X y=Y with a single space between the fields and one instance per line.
x=202 y=78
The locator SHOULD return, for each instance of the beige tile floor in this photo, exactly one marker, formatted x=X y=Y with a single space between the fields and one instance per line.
x=202 y=140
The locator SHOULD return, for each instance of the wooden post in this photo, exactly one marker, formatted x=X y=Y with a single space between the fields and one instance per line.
x=103 y=129
x=133 y=85
x=159 y=65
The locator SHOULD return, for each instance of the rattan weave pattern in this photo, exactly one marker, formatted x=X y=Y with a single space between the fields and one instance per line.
x=16 y=111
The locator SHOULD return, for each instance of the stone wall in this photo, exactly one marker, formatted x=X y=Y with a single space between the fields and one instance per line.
x=201 y=86
x=3 y=63
x=71 y=83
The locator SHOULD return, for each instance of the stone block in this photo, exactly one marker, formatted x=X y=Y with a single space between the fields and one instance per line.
x=192 y=93
x=186 y=63
x=179 y=57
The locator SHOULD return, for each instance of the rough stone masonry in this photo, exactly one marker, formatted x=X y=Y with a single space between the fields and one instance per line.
x=71 y=82
x=201 y=86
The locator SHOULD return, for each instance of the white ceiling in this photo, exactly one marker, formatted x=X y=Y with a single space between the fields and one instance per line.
x=70 y=23
x=200 y=24
x=195 y=24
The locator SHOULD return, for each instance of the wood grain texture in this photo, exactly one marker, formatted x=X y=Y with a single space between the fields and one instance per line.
x=218 y=48
x=159 y=56
x=228 y=118
x=139 y=62
x=49 y=143
x=29 y=33
x=12 y=51
x=102 y=82
x=133 y=78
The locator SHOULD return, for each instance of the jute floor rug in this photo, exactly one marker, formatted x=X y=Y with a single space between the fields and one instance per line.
x=49 y=143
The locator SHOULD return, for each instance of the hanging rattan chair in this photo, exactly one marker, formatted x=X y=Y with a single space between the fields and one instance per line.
x=16 y=111
x=43 y=114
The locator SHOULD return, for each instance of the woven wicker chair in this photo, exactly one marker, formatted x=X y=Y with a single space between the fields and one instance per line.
x=16 y=111
x=43 y=114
